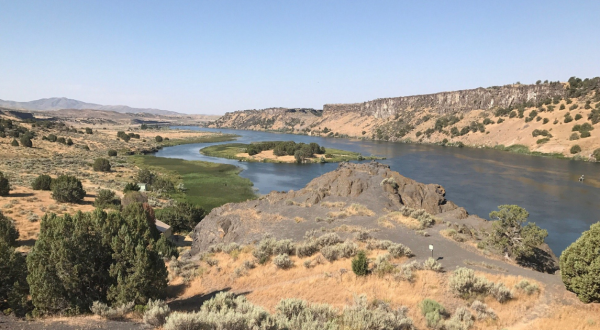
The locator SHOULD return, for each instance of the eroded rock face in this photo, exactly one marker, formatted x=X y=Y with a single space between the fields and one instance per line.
x=453 y=102
x=373 y=186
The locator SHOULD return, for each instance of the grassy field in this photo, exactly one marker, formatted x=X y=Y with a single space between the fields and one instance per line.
x=231 y=151
x=200 y=139
x=209 y=185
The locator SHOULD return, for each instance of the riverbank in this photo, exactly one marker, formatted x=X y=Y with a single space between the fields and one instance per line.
x=207 y=184
x=240 y=152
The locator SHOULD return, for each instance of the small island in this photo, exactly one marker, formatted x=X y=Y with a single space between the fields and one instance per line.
x=282 y=152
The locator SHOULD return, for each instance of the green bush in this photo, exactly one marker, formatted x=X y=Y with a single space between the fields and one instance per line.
x=131 y=187
x=562 y=107
x=283 y=261
x=26 y=142
x=360 y=264
x=574 y=136
x=133 y=197
x=106 y=199
x=69 y=142
x=14 y=289
x=156 y=312
x=580 y=265
x=575 y=149
x=112 y=153
x=95 y=256
x=181 y=217
x=67 y=189
x=546 y=120
x=52 y=138
x=61 y=140
x=88 y=130
x=158 y=138
x=500 y=120
x=14 y=143
x=8 y=233
x=596 y=154
x=585 y=134
x=433 y=311
x=578 y=116
x=101 y=165
x=4 y=185
x=42 y=182
x=145 y=176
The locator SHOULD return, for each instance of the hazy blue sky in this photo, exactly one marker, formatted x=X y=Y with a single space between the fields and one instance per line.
x=218 y=56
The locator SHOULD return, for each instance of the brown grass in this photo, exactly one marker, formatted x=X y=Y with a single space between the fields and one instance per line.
x=327 y=283
x=561 y=317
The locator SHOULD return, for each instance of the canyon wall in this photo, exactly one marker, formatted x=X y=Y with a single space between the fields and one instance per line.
x=453 y=102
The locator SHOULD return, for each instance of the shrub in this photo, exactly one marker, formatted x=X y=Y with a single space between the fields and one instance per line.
x=562 y=107
x=545 y=121
x=580 y=265
x=61 y=140
x=133 y=197
x=26 y=141
x=131 y=187
x=568 y=118
x=463 y=283
x=330 y=252
x=14 y=143
x=283 y=261
x=111 y=313
x=501 y=292
x=145 y=176
x=158 y=138
x=8 y=233
x=69 y=142
x=156 y=312
x=112 y=153
x=575 y=149
x=360 y=264
x=433 y=311
x=306 y=249
x=399 y=250
x=163 y=184
x=42 y=182
x=106 y=198
x=101 y=165
x=432 y=264
x=596 y=154
x=4 y=185
x=67 y=189
x=500 y=120
x=585 y=134
x=88 y=130
x=574 y=136
x=328 y=239
x=483 y=311
x=527 y=287
x=578 y=116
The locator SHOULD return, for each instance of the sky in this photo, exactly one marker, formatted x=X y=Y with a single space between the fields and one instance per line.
x=210 y=57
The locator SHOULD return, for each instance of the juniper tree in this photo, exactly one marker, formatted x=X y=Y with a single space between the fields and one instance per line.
x=510 y=236
x=580 y=265
x=8 y=233
x=4 y=185
x=13 y=286
x=67 y=189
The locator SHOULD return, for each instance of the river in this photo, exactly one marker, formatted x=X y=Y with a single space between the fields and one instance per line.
x=477 y=179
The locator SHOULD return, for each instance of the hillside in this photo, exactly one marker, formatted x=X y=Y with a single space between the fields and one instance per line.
x=57 y=103
x=537 y=118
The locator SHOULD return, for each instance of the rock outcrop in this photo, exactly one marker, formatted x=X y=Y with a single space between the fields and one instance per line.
x=372 y=188
x=453 y=102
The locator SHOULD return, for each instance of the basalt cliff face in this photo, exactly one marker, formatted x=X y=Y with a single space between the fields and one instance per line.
x=456 y=102
x=466 y=117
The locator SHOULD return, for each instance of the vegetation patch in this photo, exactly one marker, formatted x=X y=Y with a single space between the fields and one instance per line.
x=208 y=185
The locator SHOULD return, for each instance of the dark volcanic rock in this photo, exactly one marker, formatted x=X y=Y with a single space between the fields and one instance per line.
x=291 y=214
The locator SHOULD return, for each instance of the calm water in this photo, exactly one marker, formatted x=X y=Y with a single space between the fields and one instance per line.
x=476 y=179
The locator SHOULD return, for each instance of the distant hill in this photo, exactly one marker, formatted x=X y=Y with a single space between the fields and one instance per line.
x=58 y=103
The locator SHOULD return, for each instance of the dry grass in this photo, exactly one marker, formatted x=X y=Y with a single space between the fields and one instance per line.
x=561 y=317
x=331 y=205
x=335 y=284
x=405 y=221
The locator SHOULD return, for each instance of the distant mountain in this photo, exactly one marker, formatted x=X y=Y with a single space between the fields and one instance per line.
x=57 y=103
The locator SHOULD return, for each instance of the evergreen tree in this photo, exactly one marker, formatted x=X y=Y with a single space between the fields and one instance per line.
x=8 y=233
x=26 y=141
x=14 y=143
x=13 y=286
x=42 y=182
x=580 y=265
x=360 y=264
x=4 y=185
x=67 y=189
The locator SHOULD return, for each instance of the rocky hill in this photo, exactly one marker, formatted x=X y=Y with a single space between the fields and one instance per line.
x=495 y=117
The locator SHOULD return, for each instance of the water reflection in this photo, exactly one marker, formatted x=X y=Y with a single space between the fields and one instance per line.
x=477 y=179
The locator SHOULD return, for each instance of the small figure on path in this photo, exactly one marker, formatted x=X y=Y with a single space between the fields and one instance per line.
x=581 y=178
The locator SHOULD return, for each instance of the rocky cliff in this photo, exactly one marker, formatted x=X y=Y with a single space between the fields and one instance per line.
x=453 y=102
